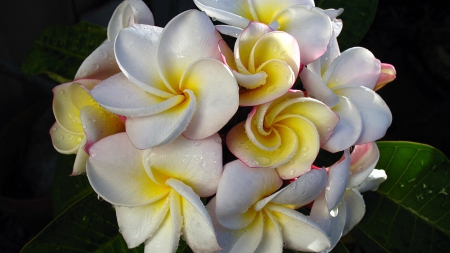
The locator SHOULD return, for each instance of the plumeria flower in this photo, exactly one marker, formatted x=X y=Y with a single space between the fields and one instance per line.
x=262 y=219
x=341 y=206
x=265 y=63
x=101 y=63
x=346 y=84
x=156 y=192
x=285 y=134
x=173 y=81
x=310 y=26
x=80 y=121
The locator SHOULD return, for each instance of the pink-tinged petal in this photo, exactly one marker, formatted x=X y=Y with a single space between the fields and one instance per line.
x=234 y=210
x=317 y=89
x=120 y=96
x=310 y=26
x=159 y=129
x=232 y=31
x=197 y=163
x=140 y=222
x=216 y=93
x=334 y=224
x=375 y=114
x=387 y=75
x=337 y=181
x=135 y=49
x=246 y=42
x=267 y=9
x=299 y=231
x=272 y=240
x=280 y=79
x=303 y=190
x=227 y=55
x=237 y=241
x=116 y=173
x=373 y=181
x=355 y=207
x=349 y=128
x=232 y=13
x=176 y=53
x=64 y=142
x=308 y=146
x=275 y=46
x=167 y=236
x=135 y=11
x=100 y=64
x=99 y=123
x=198 y=230
x=364 y=159
x=355 y=66
x=79 y=166
x=244 y=149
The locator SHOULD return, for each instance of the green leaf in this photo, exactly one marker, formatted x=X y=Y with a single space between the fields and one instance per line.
x=410 y=211
x=59 y=51
x=66 y=189
x=357 y=18
x=87 y=226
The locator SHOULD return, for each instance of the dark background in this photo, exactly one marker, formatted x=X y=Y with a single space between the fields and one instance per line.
x=414 y=36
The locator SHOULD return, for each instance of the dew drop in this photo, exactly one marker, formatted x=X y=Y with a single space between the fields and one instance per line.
x=53 y=128
x=292 y=172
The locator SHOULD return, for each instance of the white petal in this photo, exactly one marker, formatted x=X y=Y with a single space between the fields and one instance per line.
x=229 y=13
x=265 y=10
x=139 y=223
x=349 y=128
x=355 y=66
x=355 y=207
x=375 y=114
x=373 y=181
x=159 y=129
x=337 y=181
x=100 y=64
x=197 y=163
x=364 y=159
x=198 y=230
x=79 y=166
x=232 y=31
x=116 y=173
x=216 y=93
x=188 y=37
x=299 y=231
x=317 y=89
x=272 y=240
x=310 y=26
x=234 y=210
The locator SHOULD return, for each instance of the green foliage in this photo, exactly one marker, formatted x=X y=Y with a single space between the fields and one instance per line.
x=357 y=18
x=410 y=211
x=59 y=51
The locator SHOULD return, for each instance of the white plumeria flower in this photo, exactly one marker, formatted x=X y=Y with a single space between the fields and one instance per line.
x=341 y=206
x=101 y=63
x=250 y=215
x=80 y=121
x=310 y=26
x=265 y=63
x=173 y=81
x=346 y=85
x=156 y=192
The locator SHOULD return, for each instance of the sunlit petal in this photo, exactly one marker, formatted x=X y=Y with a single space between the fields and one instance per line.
x=64 y=142
x=272 y=240
x=267 y=9
x=355 y=207
x=100 y=64
x=337 y=181
x=373 y=181
x=232 y=13
x=232 y=31
x=79 y=166
x=317 y=89
x=364 y=159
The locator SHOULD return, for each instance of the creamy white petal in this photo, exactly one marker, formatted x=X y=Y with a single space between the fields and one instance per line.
x=272 y=239
x=373 y=181
x=355 y=207
x=232 y=31
x=338 y=175
x=228 y=13
x=317 y=89
x=65 y=142
x=79 y=166
x=100 y=64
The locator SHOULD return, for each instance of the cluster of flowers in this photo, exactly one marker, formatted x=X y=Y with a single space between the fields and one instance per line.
x=144 y=110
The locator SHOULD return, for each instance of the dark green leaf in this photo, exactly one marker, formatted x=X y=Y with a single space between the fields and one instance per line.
x=59 y=51
x=410 y=212
x=357 y=19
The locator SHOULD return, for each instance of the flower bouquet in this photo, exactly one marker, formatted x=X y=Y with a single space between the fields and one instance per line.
x=212 y=146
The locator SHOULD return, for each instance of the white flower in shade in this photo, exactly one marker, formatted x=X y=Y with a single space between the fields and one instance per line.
x=285 y=134
x=309 y=25
x=156 y=192
x=346 y=84
x=101 y=63
x=341 y=206
x=80 y=121
x=265 y=63
x=173 y=81
x=250 y=215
